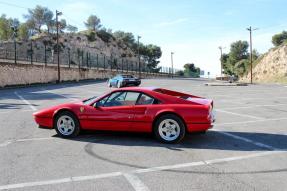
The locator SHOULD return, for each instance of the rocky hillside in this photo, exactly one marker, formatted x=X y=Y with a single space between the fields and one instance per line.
x=270 y=67
x=72 y=44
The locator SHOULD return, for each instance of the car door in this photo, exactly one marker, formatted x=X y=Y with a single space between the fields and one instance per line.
x=144 y=110
x=114 y=112
x=114 y=80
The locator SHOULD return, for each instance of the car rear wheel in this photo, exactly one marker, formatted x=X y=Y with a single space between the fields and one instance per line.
x=66 y=124
x=169 y=128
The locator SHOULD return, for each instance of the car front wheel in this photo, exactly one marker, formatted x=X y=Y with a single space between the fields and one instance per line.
x=66 y=124
x=169 y=128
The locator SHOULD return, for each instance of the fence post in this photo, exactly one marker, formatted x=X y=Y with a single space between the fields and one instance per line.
x=69 y=59
x=45 y=54
x=111 y=63
x=31 y=52
x=15 y=49
x=87 y=61
x=127 y=62
x=82 y=54
x=104 y=62
x=122 y=65
x=90 y=60
x=97 y=62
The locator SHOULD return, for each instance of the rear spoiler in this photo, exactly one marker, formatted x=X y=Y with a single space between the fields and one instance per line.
x=174 y=93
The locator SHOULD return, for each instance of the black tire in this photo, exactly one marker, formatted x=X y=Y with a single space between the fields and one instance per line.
x=69 y=115
x=181 y=127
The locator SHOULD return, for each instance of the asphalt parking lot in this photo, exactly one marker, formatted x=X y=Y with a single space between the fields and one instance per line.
x=246 y=149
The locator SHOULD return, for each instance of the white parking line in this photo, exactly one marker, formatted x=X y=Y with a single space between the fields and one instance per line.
x=136 y=183
x=238 y=114
x=146 y=170
x=247 y=122
x=262 y=145
x=25 y=101
x=13 y=110
x=6 y=143
x=59 y=181
x=254 y=106
x=74 y=99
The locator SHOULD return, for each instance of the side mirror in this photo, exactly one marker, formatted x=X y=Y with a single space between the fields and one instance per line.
x=96 y=105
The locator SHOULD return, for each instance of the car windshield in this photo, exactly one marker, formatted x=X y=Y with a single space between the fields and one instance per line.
x=128 y=76
x=90 y=100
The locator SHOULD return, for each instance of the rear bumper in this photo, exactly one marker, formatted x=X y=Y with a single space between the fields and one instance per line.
x=127 y=83
x=196 y=127
x=47 y=123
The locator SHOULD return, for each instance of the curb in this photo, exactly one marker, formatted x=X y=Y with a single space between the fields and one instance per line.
x=51 y=83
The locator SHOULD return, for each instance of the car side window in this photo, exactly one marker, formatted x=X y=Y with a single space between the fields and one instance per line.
x=102 y=101
x=131 y=98
x=121 y=99
x=145 y=100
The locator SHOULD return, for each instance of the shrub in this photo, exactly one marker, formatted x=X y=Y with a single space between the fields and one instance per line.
x=105 y=36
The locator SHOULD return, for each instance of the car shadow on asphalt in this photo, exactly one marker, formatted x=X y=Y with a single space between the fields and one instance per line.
x=210 y=140
x=14 y=105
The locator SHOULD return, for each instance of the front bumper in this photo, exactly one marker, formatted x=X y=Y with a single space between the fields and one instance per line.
x=45 y=122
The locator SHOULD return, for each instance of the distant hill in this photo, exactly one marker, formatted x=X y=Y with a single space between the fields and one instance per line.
x=270 y=67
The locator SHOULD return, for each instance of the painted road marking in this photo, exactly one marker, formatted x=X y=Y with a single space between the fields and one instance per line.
x=74 y=99
x=262 y=145
x=238 y=114
x=136 y=183
x=25 y=101
x=253 y=106
x=145 y=170
x=6 y=143
x=247 y=122
x=13 y=110
x=59 y=181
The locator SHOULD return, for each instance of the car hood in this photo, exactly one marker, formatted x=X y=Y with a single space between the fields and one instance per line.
x=49 y=112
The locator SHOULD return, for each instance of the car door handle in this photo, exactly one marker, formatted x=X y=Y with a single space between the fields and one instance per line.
x=141 y=110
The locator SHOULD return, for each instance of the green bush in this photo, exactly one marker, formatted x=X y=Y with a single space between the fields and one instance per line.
x=105 y=36
x=279 y=39
x=91 y=35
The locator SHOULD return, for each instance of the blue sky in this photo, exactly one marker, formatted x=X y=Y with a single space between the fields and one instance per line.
x=193 y=29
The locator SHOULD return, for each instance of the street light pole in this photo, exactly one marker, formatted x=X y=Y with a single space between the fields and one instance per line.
x=15 y=30
x=250 y=37
x=139 y=56
x=171 y=55
x=221 y=62
x=58 y=50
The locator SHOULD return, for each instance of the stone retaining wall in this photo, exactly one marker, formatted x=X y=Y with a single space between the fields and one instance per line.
x=25 y=74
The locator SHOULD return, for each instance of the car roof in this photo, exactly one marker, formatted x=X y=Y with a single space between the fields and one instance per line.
x=141 y=89
x=164 y=95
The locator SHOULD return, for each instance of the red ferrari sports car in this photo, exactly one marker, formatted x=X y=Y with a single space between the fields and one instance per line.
x=166 y=113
